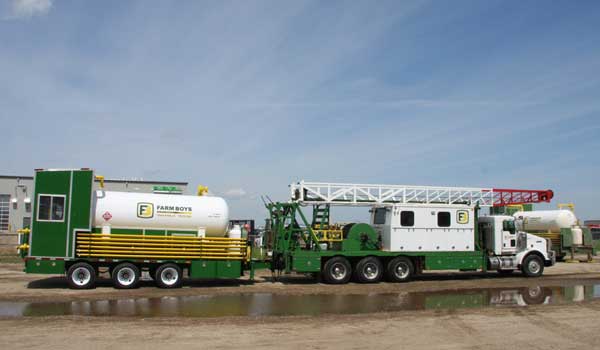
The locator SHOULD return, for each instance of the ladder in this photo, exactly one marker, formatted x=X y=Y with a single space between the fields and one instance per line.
x=320 y=217
x=315 y=193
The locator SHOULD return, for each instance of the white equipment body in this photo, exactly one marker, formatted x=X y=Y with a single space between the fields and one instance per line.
x=424 y=234
x=205 y=215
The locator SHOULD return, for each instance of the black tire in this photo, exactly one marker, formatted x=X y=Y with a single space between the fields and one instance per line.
x=168 y=276
x=533 y=266
x=81 y=276
x=400 y=269
x=125 y=276
x=337 y=270
x=368 y=270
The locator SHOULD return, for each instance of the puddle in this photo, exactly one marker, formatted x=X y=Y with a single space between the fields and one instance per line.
x=266 y=304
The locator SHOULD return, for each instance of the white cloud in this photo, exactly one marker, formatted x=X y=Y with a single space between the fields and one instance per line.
x=235 y=193
x=29 y=8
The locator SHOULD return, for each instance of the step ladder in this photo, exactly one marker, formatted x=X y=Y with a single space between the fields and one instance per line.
x=320 y=219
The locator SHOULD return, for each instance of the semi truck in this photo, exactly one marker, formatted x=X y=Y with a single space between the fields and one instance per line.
x=79 y=231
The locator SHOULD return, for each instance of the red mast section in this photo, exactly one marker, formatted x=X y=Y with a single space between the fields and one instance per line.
x=504 y=196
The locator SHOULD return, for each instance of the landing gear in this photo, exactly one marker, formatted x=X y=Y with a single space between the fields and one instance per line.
x=368 y=270
x=337 y=270
x=81 y=276
x=400 y=269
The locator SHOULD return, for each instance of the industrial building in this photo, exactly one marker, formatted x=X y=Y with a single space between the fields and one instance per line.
x=16 y=196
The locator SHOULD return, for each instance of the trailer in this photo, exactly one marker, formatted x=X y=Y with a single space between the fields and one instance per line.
x=80 y=231
x=561 y=227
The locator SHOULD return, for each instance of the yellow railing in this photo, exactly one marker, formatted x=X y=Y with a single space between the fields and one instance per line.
x=115 y=245
x=553 y=236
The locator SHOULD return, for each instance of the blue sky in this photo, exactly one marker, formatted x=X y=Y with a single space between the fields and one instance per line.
x=248 y=96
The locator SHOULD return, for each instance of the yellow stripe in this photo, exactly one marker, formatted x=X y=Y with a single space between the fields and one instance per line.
x=160 y=238
x=161 y=256
x=164 y=244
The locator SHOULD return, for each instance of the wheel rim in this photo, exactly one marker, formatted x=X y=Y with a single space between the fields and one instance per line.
x=339 y=271
x=534 y=292
x=371 y=271
x=169 y=276
x=126 y=276
x=534 y=266
x=402 y=270
x=81 y=276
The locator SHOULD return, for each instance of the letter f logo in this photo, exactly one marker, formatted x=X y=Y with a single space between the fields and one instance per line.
x=145 y=210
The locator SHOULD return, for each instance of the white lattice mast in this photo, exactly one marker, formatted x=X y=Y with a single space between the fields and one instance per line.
x=305 y=192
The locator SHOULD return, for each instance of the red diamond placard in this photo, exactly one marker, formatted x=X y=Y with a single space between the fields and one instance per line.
x=106 y=216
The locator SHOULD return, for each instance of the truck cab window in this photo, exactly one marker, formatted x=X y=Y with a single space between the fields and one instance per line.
x=407 y=218
x=379 y=218
x=51 y=208
x=443 y=219
x=508 y=225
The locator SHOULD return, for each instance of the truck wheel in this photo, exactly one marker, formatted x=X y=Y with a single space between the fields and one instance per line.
x=400 y=269
x=532 y=266
x=337 y=270
x=81 y=276
x=534 y=295
x=368 y=270
x=168 y=276
x=126 y=276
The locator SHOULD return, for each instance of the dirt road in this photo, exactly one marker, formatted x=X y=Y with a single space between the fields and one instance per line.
x=561 y=326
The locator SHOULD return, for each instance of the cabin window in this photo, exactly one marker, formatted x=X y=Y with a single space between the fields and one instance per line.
x=379 y=218
x=51 y=208
x=443 y=219
x=407 y=218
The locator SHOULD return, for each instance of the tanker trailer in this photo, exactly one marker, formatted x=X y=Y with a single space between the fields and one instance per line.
x=79 y=231
x=202 y=216
x=560 y=226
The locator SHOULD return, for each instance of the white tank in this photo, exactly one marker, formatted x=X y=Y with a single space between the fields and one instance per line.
x=546 y=220
x=204 y=214
x=577 y=234
x=235 y=232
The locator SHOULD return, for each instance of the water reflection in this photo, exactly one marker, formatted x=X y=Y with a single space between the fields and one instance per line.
x=266 y=304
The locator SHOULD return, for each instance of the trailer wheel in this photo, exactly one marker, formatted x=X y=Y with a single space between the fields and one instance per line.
x=81 y=276
x=168 y=276
x=400 y=269
x=533 y=266
x=126 y=276
x=337 y=270
x=368 y=270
